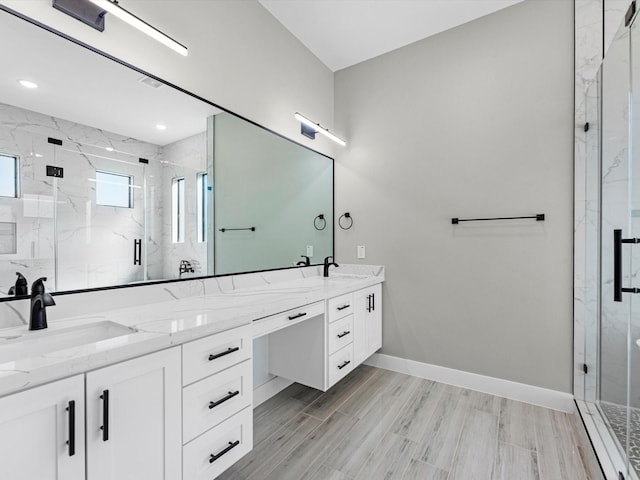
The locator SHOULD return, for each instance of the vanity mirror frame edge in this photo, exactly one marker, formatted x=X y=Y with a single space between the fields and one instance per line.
x=52 y=30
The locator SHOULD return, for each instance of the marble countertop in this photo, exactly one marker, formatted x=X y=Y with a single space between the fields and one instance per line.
x=233 y=302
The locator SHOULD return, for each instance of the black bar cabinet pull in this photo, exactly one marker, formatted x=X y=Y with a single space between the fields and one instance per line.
x=346 y=362
x=618 y=290
x=222 y=400
x=343 y=334
x=343 y=307
x=105 y=415
x=373 y=302
x=213 y=458
x=539 y=217
x=293 y=317
x=222 y=354
x=137 y=251
x=368 y=303
x=253 y=229
x=72 y=428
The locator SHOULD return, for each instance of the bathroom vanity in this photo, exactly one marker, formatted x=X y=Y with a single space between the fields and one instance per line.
x=165 y=390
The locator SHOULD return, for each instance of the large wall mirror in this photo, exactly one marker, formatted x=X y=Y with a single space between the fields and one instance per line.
x=111 y=177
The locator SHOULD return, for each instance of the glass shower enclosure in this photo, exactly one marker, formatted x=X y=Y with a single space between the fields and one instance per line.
x=610 y=396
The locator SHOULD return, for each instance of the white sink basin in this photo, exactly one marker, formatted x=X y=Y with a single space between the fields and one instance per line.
x=41 y=342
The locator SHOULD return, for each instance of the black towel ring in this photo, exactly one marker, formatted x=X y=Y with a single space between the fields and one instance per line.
x=348 y=216
x=323 y=222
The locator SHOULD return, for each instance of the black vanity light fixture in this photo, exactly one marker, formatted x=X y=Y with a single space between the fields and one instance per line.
x=92 y=13
x=308 y=128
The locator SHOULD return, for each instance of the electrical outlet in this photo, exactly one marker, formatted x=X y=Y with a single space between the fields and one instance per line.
x=309 y=251
x=361 y=252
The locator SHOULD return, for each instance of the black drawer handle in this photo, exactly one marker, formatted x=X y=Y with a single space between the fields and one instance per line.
x=72 y=428
x=343 y=307
x=213 y=458
x=222 y=400
x=293 y=317
x=369 y=307
x=222 y=354
x=105 y=415
x=343 y=334
x=346 y=362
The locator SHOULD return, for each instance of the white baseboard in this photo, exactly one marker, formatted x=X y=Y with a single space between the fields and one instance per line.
x=267 y=390
x=495 y=386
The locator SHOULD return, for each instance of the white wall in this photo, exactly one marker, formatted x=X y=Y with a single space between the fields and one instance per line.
x=473 y=122
x=240 y=57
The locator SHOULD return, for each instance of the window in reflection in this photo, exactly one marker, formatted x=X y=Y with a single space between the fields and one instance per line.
x=8 y=176
x=177 y=210
x=201 y=192
x=113 y=189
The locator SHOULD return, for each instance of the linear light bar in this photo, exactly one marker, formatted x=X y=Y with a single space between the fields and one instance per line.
x=319 y=129
x=112 y=7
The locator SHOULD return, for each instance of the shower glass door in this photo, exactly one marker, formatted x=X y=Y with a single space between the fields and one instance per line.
x=616 y=215
x=612 y=310
x=101 y=217
x=633 y=300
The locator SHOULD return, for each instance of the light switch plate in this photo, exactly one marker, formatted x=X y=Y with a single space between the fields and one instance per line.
x=309 y=251
x=361 y=252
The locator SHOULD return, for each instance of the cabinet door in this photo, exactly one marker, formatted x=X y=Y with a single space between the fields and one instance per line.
x=35 y=428
x=374 y=320
x=367 y=323
x=134 y=419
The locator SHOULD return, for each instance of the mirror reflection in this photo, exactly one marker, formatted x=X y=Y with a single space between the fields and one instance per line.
x=110 y=177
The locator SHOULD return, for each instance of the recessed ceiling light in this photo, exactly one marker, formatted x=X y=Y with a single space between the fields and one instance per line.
x=108 y=149
x=161 y=126
x=28 y=84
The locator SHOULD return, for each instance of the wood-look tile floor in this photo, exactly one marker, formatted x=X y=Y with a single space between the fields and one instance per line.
x=377 y=424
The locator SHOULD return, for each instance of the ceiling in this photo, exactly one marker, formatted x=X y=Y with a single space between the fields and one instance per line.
x=80 y=86
x=342 y=33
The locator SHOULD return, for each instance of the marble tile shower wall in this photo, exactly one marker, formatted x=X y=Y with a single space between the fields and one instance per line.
x=95 y=243
x=186 y=159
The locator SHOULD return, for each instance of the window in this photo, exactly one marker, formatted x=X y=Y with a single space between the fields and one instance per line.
x=177 y=210
x=114 y=189
x=202 y=206
x=8 y=176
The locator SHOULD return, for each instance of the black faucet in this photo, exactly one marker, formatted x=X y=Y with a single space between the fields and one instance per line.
x=327 y=264
x=39 y=300
x=185 y=267
x=21 y=287
x=304 y=263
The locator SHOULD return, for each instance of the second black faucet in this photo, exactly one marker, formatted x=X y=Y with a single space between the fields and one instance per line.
x=327 y=264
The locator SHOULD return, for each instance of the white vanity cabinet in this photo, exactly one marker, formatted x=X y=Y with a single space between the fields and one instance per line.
x=134 y=419
x=320 y=350
x=367 y=318
x=42 y=432
x=217 y=400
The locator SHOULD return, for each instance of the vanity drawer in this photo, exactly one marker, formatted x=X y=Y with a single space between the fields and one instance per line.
x=209 y=455
x=340 y=334
x=340 y=363
x=340 y=307
x=212 y=354
x=214 y=399
x=290 y=317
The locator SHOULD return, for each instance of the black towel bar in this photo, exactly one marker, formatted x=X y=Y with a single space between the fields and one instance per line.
x=538 y=217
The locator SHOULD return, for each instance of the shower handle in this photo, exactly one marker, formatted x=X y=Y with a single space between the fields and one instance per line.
x=618 y=290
